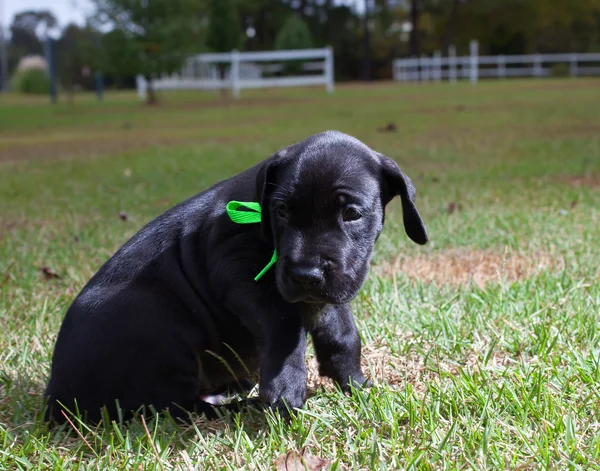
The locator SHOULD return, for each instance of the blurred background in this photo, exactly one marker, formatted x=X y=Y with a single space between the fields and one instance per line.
x=123 y=38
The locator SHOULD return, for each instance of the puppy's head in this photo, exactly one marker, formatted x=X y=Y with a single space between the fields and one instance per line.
x=323 y=203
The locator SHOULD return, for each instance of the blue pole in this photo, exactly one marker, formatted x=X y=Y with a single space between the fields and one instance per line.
x=50 y=57
x=99 y=86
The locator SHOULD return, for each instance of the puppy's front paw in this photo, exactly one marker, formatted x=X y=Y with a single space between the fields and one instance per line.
x=284 y=401
x=357 y=382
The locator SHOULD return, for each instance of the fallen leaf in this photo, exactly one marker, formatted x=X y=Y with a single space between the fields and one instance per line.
x=123 y=216
x=573 y=204
x=49 y=273
x=451 y=207
x=303 y=461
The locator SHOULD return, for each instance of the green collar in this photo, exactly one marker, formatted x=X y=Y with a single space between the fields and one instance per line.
x=249 y=217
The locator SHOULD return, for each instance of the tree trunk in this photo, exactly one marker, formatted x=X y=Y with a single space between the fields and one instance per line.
x=150 y=95
x=415 y=13
x=367 y=43
x=450 y=26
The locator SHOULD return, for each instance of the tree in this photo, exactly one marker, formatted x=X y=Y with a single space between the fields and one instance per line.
x=28 y=26
x=72 y=55
x=27 y=31
x=367 y=42
x=294 y=34
x=155 y=36
x=224 y=30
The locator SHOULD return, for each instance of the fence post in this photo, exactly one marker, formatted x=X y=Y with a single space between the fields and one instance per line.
x=537 y=66
x=235 y=73
x=437 y=66
x=573 y=65
x=501 y=66
x=141 y=86
x=329 y=71
x=474 y=69
x=424 y=62
x=452 y=63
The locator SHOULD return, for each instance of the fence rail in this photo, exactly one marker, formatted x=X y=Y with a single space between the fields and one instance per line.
x=438 y=68
x=242 y=71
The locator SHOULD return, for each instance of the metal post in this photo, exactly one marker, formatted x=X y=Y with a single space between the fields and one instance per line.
x=474 y=69
x=51 y=59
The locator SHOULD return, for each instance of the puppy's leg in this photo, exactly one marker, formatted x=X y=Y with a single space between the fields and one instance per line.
x=283 y=366
x=338 y=347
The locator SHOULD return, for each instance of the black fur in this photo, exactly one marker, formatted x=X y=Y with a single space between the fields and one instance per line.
x=176 y=314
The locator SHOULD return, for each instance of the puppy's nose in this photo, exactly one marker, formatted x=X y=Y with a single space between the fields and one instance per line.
x=306 y=274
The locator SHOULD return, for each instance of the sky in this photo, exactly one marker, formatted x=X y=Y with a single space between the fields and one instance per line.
x=66 y=11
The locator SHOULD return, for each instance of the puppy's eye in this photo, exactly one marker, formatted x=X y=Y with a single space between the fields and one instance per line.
x=350 y=214
x=282 y=211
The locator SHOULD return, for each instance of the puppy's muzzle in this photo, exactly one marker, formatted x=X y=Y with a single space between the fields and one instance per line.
x=305 y=276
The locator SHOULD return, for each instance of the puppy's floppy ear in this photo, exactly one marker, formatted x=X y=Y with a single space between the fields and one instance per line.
x=395 y=182
x=265 y=185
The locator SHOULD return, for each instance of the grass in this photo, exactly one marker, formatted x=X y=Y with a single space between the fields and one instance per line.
x=483 y=345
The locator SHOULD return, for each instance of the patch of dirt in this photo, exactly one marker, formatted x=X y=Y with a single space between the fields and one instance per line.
x=382 y=366
x=464 y=266
x=60 y=149
x=589 y=181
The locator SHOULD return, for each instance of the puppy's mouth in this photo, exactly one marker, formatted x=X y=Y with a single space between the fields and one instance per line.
x=308 y=295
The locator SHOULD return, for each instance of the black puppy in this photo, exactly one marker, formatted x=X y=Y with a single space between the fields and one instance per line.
x=177 y=315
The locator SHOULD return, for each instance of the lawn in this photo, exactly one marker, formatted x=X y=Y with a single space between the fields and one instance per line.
x=484 y=345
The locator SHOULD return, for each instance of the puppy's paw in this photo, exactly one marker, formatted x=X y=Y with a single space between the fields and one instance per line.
x=285 y=404
x=356 y=382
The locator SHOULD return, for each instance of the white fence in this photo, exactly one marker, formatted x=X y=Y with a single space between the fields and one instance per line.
x=452 y=68
x=246 y=70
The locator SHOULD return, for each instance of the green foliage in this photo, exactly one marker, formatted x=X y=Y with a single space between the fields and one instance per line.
x=31 y=81
x=294 y=34
x=154 y=36
x=150 y=37
x=224 y=30
x=73 y=53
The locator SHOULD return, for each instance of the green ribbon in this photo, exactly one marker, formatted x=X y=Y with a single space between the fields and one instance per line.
x=249 y=217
